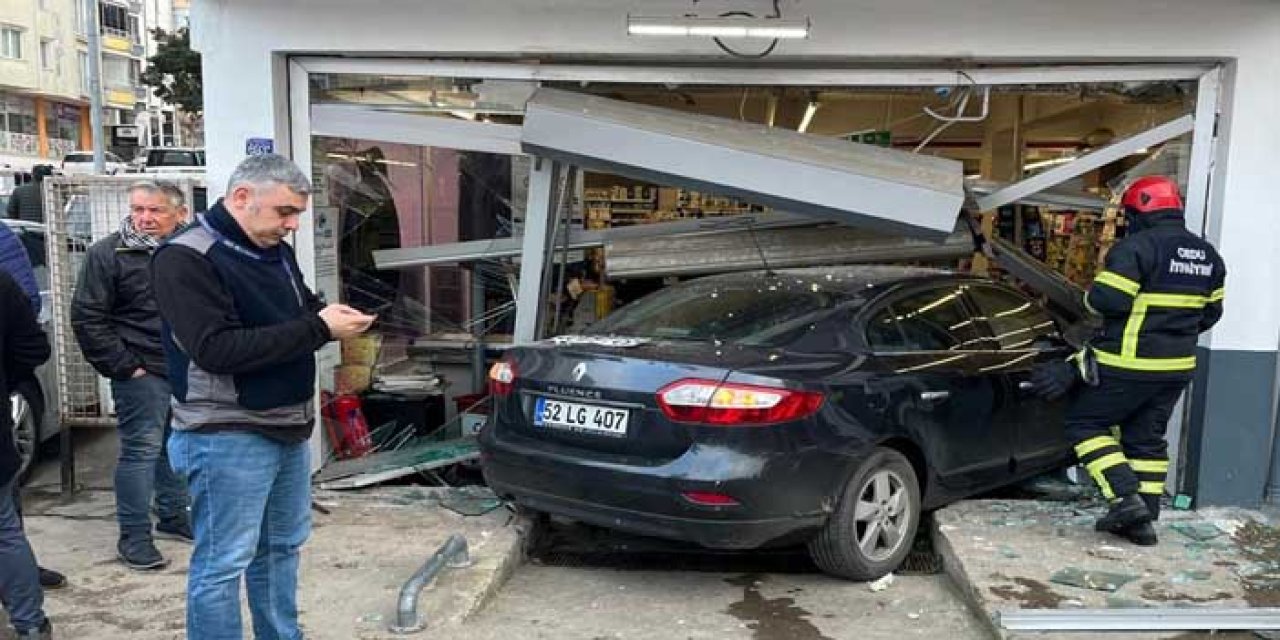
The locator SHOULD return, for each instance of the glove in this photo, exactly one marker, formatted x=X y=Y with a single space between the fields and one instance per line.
x=1053 y=380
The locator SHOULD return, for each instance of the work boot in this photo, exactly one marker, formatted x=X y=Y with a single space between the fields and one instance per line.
x=138 y=552
x=1125 y=512
x=175 y=529
x=50 y=579
x=1142 y=534
x=44 y=632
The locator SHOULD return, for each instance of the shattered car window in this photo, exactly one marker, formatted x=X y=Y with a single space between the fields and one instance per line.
x=764 y=311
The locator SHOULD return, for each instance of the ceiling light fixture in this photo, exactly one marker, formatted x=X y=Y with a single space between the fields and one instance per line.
x=725 y=27
x=807 y=119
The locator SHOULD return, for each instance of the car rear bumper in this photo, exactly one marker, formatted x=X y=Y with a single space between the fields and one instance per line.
x=648 y=500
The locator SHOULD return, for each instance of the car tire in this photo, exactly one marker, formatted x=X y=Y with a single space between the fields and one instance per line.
x=857 y=542
x=26 y=433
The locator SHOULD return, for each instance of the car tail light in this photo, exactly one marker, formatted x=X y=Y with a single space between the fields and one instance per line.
x=714 y=403
x=502 y=378
x=710 y=498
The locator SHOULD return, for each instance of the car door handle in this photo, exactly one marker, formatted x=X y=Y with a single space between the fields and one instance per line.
x=1026 y=385
x=934 y=396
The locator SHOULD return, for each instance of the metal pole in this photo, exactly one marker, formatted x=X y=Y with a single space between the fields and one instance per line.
x=95 y=85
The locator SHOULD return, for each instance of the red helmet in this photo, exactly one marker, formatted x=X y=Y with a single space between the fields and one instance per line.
x=1152 y=193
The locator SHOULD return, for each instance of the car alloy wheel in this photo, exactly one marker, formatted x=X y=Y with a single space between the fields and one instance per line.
x=24 y=432
x=881 y=515
x=871 y=530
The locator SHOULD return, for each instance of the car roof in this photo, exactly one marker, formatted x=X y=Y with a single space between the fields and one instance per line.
x=847 y=278
x=26 y=225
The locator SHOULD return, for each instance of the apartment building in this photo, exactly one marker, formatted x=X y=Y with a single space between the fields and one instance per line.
x=43 y=104
x=44 y=78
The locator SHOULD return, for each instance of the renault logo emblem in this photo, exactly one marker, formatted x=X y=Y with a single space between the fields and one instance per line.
x=579 y=371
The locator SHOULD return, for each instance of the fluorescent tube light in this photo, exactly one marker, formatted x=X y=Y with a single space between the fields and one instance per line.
x=808 y=116
x=728 y=27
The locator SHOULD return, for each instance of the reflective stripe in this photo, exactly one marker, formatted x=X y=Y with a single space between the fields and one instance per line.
x=1174 y=300
x=1129 y=343
x=1145 y=364
x=1119 y=282
x=1150 y=466
x=1150 y=488
x=1098 y=467
x=1106 y=462
x=1093 y=444
x=1218 y=295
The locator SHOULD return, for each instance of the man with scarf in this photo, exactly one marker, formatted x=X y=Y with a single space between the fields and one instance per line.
x=118 y=327
x=1162 y=287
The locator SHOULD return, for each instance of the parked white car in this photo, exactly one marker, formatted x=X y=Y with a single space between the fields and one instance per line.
x=81 y=163
x=174 y=160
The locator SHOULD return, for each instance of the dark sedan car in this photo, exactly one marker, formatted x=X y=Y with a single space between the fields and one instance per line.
x=825 y=406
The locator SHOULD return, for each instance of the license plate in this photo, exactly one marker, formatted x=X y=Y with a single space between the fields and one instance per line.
x=585 y=418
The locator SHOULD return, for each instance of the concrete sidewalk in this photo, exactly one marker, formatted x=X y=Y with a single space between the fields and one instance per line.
x=1008 y=555
x=352 y=568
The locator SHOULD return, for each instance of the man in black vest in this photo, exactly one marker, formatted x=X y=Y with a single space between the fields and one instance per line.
x=242 y=329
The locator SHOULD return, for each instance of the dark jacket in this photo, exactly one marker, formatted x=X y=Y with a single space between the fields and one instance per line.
x=27 y=201
x=114 y=312
x=23 y=347
x=15 y=261
x=241 y=331
x=1161 y=288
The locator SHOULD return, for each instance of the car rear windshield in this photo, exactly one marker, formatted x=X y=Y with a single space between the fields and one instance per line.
x=78 y=157
x=767 y=312
x=173 y=159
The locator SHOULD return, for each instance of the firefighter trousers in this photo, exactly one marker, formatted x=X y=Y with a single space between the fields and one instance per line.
x=1118 y=430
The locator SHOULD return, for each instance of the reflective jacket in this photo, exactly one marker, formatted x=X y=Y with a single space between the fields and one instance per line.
x=1161 y=288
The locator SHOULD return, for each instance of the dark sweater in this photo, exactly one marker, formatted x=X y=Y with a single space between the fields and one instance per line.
x=241 y=330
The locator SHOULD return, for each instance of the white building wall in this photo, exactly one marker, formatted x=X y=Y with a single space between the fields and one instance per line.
x=238 y=37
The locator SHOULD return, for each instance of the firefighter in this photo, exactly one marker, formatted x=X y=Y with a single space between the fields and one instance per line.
x=1162 y=286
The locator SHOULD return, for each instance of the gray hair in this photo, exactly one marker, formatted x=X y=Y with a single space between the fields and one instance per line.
x=269 y=169
x=170 y=190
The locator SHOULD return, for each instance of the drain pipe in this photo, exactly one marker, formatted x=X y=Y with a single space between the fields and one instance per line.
x=452 y=554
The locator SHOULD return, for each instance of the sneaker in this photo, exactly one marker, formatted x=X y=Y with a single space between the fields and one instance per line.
x=1126 y=512
x=175 y=529
x=50 y=579
x=140 y=554
x=45 y=632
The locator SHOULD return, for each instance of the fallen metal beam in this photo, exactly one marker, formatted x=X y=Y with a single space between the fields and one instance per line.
x=582 y=239
x=1061 y=198
x=365 y=122
x=885 y=190
x=1087 y=163
x=1188 y=619
x=453 y=554
x=1065 y=296
x=745 y=250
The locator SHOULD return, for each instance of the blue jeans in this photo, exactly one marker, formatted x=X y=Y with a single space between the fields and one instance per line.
x=19 y=579
x=251 y=509
x=143 y=471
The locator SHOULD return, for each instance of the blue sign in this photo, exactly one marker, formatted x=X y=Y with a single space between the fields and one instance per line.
x=259 y=146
